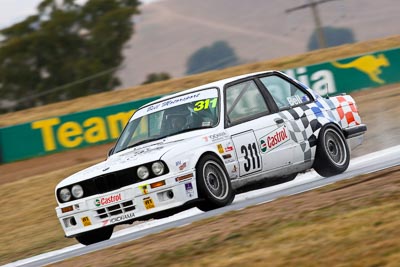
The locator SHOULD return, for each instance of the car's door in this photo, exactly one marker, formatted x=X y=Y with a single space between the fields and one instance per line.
x=260 y=137
x=291 y=101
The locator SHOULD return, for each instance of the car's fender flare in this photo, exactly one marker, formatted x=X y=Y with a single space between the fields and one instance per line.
x=206 y=150
x=328 y=124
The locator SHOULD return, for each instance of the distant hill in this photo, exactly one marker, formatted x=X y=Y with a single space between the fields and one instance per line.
x=169 y=31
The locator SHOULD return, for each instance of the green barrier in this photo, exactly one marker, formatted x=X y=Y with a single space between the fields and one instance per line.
x=105 y=124
x=61 y=133
x=351 y=74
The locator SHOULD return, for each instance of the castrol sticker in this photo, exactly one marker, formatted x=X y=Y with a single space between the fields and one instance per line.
x=107 y=200
x=274 y=139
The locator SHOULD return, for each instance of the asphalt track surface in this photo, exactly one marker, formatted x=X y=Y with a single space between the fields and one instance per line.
x=366 y=164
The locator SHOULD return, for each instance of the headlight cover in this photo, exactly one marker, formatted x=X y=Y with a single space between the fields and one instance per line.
x=65 y=194
x=157 y=168
x=143 y=172
x=77 y=191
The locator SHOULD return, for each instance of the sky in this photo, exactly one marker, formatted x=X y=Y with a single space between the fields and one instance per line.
x=12 y=11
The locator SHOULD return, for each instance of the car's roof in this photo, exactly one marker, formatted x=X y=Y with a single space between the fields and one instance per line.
x=219 y=84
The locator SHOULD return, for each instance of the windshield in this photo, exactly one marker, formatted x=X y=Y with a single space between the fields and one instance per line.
x=185 y=113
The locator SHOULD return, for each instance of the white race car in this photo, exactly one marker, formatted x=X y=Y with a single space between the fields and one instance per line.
x=197 y=146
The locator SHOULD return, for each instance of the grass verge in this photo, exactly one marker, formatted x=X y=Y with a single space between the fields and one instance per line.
x=29 y=224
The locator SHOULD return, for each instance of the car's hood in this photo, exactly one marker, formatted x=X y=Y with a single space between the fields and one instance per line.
x=133 y=157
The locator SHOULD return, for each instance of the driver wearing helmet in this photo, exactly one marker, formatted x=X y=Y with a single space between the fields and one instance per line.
x=177 y=119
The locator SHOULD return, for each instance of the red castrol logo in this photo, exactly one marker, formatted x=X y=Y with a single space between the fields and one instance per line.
x=107 y=200
x=274 y=139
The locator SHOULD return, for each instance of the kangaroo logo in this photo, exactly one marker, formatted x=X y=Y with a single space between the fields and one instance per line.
x=369 y=64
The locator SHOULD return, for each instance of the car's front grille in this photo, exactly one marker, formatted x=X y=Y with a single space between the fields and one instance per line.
x=111 y=181
x=113 y=210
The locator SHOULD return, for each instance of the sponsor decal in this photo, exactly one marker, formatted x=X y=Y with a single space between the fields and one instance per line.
x=86 y=221
x=294 y=100
x=107 y=200
x=274 y=139
x=173 y=102
x=234 y=169
x=182 y=166
x=217 y=136
x=119 y=218
x=228 y=148
x=189 y=189
x=148 y=203
x=181 y=99
x=144 y=189
x=153 y=107
x=220 y=148
x=227 y=156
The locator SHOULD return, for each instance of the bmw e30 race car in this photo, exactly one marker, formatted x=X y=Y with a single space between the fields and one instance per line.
x=199 y=145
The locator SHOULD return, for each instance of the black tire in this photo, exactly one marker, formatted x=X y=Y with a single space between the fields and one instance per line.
x=213 y=184
x=95 y=236
x=332 y=156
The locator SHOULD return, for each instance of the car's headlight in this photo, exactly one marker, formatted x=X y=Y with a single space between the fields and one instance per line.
x=77 y=191
x=157 y=168
x=143 y=172
x=65 y=194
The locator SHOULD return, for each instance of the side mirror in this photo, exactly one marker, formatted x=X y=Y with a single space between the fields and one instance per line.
x=110 y=152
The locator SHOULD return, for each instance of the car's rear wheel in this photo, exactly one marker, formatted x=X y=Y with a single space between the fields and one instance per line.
x=95 y=236
x=213 y=184
x=332 y=155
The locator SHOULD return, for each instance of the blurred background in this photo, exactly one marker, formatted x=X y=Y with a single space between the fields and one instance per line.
x=55 y=50
x=176 y=31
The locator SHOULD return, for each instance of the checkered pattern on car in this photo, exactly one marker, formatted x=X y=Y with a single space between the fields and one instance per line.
x=306 y=121
x=347 y=111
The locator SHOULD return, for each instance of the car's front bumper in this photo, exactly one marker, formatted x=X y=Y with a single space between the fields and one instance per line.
x=355 y=135
x=355 y=131
x=127 y=203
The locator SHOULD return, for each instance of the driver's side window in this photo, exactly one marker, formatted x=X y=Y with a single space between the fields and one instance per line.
x=284 y=93
x=244 y=101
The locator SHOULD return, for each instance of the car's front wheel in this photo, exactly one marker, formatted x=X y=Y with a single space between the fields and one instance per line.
x=95 y=236
x=332 y=156
x=213 y=184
